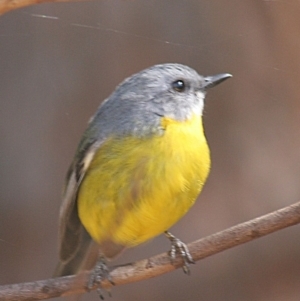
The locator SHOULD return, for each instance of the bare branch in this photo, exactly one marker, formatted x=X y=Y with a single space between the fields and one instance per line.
x=160 y=264
x=8 y=5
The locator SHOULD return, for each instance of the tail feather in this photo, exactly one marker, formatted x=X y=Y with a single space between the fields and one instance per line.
x=84 y=259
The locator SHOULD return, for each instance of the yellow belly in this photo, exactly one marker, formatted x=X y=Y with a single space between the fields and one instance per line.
x=136 y=188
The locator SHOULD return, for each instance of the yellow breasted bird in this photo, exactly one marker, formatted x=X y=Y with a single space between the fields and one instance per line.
x=139 y=167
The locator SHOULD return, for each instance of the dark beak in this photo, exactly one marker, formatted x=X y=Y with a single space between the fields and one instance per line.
x=213 y=80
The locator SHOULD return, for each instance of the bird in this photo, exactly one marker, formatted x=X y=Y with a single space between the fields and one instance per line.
x=139 y=167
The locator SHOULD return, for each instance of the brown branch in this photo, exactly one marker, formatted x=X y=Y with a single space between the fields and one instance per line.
x=159 y=264
x=8 y=5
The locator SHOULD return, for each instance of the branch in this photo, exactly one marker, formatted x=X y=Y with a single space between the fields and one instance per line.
x=159 y=264
x=8 y=5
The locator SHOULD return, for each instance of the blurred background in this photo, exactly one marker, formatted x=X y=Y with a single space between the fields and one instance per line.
x=58 y=62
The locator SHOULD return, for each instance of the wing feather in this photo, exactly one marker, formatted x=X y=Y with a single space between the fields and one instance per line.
x=74 y=241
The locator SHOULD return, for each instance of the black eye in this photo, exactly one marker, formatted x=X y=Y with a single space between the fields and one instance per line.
x=178 y=85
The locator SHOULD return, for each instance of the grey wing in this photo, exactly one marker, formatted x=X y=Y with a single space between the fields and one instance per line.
x=74 y=242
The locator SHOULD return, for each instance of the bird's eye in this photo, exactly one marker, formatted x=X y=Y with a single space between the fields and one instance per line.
x=179 y=85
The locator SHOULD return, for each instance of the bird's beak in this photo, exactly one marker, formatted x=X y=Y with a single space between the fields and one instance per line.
x=213 y=80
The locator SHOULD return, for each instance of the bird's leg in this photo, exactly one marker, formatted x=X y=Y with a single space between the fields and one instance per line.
x=180 y=248
x=98 y=274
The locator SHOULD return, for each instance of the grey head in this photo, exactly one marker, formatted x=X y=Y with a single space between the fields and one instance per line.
x=138 y=103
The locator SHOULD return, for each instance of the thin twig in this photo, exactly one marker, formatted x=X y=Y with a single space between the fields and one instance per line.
x=8 y=5
x=159 y=264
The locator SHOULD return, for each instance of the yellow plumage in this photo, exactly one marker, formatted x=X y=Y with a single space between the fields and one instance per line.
x=136 y=188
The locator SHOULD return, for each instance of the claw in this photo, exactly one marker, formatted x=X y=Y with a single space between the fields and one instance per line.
x=100 y=273
x=180 y=248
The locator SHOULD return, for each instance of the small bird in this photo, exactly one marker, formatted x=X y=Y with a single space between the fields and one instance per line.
x=139 y=167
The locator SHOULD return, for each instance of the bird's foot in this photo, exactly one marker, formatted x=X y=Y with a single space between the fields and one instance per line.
x=180 y=248
x=98 y=275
